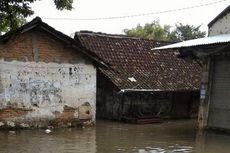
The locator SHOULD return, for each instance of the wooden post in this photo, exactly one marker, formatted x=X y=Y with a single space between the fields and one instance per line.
x=206 y=85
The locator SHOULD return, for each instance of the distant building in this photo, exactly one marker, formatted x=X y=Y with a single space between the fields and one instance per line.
x=220 y=24
x=213 y=53
x=46 y=79
x=141 y=83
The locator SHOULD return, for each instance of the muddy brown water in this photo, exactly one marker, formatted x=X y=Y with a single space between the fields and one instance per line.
x=112 y=137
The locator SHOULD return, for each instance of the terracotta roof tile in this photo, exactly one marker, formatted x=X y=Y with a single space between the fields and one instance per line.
x=133 y=57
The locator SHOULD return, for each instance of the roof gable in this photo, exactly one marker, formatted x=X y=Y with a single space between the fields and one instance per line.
x=37 y=23
x=133 y=58
x=222 y=14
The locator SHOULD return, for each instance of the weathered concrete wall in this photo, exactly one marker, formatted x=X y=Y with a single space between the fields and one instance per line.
x=35 y=91
x=44 y=83
x=221 y=26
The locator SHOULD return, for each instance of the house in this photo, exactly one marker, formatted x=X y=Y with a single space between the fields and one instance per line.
x=46 y=79
x=141 y=83
x=213 y=53
x=220 y=24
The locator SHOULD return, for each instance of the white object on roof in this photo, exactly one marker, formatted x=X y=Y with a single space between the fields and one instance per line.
x=139 y=90
x=198 y=42
x=132 y=79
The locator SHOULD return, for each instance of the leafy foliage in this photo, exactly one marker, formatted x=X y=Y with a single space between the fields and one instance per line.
x=14 y=12
x=186 y=32
x=63 y=4
x=150 y=31
x=155 y=31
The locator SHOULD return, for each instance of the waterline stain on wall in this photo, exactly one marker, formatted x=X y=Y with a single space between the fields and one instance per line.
x=46 y=79
x=33 y=91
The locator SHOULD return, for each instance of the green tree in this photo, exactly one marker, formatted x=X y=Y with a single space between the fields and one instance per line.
x=14 y=12
x=155 y=31
x=186 y=32
x=152 y=31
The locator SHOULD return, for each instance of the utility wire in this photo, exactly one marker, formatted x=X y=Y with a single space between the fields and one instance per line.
x=138 y=15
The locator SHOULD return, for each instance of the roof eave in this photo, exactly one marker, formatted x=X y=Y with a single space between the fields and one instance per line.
x=122 y=91
x=202 y=46
x=38 y=23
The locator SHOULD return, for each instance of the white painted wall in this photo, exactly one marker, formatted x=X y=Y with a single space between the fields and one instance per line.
x=221 y=26
x=47 y=87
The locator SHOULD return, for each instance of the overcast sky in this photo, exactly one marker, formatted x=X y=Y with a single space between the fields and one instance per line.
x=91 y=9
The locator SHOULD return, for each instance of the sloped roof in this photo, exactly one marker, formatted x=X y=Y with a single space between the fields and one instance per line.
x=135 y=66
x=68 y=41
x=212 y=40
x=222 y=14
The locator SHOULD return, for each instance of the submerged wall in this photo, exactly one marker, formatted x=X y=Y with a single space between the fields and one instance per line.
x=44 y=83
x=141 y=105
x=52 y=93
x=31 y=92
x=111 y=105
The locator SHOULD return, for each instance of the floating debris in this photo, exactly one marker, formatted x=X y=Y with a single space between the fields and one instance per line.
x=12 y=132
x=48 y=131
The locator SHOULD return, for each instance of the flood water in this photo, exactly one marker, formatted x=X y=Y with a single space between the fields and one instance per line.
x=112 y=137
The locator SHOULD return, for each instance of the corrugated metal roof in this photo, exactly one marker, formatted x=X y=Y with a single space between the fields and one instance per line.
x=225 y=38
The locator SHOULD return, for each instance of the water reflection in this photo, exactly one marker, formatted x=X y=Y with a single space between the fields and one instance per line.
x=112 y=137
x=153 y=138
x=58 y=141
x=212 y=142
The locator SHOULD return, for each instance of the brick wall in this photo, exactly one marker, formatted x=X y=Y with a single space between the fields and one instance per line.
x=44 y=83
x=20 y=48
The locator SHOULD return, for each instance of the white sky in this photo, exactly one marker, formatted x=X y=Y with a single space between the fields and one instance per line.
x=107 y=8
